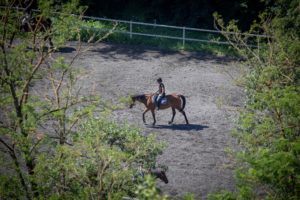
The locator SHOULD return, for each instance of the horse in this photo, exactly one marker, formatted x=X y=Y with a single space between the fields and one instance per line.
x=175 y=101
x=36 y=24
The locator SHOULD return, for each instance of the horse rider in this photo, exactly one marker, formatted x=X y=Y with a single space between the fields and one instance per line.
x=161 y=92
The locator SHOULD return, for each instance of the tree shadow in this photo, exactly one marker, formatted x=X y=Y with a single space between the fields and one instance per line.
x=66 y=49
x=135 y=52
x=181 y=127
x=141 y=52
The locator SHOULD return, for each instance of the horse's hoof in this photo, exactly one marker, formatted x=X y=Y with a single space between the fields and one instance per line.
x=170 y=122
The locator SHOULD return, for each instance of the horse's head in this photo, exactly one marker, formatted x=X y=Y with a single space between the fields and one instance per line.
x=133 y=98
x=139 y=98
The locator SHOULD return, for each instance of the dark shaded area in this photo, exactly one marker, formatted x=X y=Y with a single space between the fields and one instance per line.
x=137 y=52
x=192 y=13
x=181 y=127
x=66 y=49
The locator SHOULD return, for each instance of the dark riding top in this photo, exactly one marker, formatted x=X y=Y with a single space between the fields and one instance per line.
x=161 y=89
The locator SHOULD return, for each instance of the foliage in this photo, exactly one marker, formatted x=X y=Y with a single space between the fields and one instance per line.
x=101 y=163
x=191 y=13
x=50 y=146
x=268 y=127
x=26 y=63
x=148 y=191
x=189 y=196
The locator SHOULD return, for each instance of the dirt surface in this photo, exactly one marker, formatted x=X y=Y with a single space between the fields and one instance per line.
x=195 y=154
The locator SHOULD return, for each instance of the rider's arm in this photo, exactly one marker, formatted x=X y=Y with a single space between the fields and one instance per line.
x=159 y=89
x=163 y=89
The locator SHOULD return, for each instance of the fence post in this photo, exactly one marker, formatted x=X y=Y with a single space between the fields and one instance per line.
x=183 y=36
x=130 y=29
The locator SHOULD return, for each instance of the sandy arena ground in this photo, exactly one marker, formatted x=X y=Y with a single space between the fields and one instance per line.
x=195 y=154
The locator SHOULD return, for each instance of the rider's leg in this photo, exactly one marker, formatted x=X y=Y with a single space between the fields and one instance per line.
x=158 y=101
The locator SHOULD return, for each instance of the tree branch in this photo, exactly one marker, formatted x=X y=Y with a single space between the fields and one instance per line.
x=25 y=87
x=12 y=154
x=11 y=150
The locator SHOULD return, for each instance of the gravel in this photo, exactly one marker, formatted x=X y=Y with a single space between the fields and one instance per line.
x=196 y=153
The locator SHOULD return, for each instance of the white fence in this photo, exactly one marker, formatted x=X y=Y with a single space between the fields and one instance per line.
x=183 y=36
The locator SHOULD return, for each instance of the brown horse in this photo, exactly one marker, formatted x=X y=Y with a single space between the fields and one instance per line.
x=175 y=101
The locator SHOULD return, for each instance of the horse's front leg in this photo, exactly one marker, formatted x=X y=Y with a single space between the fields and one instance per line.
x=153 y=115
x=146 y=110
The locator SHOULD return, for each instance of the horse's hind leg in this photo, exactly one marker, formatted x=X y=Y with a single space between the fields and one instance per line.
x=153 y=115
x=186 y=120
x=174 y=113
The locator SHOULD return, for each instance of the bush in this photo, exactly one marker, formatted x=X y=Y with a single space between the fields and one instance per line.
x=51 y=147
x=269 y=125
x=102 y=162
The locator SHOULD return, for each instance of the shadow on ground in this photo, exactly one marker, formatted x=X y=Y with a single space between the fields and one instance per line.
x=181 y=127
x=139 y=52
x=66 y=49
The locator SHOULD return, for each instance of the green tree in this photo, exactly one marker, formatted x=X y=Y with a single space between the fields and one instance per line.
x=24 y=60
x=50 y=146
x=101 y=163
x=195 y=13
x=268 y=127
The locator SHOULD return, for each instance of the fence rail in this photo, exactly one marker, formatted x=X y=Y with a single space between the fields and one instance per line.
x=184 y=30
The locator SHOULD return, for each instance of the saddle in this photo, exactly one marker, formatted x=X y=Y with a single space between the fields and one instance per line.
x=163 y=101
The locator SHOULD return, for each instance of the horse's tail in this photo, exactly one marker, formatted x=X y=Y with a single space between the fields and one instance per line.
x=183 y=102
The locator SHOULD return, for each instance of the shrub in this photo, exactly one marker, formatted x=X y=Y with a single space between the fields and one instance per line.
x=268 y=127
